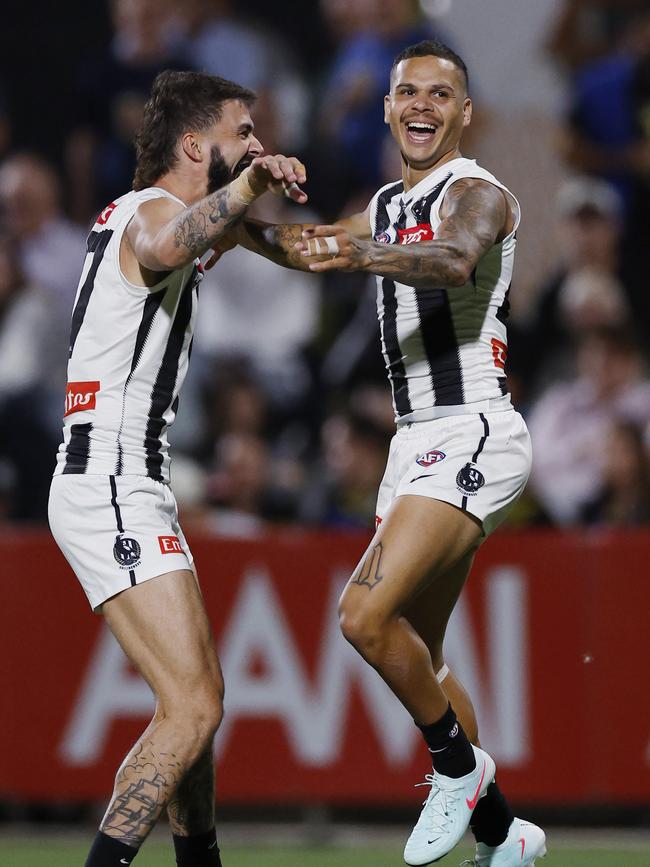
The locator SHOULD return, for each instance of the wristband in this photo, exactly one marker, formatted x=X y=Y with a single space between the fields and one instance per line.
x=241 y=188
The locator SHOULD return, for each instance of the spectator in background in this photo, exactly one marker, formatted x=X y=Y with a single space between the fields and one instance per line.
x=587 y=290
x=350 y=129
x=111 y=91
x=50 y=250
x=342 y=492
x=27 y=443
x=608 y=134
x=570 y=423
x=624 y=498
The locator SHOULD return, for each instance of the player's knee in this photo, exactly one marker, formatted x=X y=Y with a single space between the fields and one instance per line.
x=362 y=628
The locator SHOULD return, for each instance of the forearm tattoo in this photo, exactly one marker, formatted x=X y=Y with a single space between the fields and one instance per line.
x=191 y=809
x=274 y=242
x=368 y=571
x=201 y=225
x=474 y=214
x=143 y=786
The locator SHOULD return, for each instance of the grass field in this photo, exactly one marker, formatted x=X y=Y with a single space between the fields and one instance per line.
x=154 y=854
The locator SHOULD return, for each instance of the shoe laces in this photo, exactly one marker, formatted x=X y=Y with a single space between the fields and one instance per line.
x=439 y=807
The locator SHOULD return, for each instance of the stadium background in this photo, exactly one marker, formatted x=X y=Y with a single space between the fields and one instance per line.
x=285 y=419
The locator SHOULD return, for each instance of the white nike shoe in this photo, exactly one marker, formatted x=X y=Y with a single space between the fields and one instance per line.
x=525 y=842
x=447 y=811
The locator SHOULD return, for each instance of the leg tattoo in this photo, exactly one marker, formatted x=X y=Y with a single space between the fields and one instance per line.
x=143 y=786
x=368 y=570
x=191 y=808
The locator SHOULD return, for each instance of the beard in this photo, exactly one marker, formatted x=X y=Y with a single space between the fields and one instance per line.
x=218 y=172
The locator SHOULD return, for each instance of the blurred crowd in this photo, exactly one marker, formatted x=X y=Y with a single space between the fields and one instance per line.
x=286 y=414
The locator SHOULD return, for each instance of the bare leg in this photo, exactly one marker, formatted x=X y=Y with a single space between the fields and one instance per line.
x=415 y=547
x=191 y=808
x=163 y=628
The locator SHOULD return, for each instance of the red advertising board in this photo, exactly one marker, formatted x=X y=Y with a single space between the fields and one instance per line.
x=550 y=637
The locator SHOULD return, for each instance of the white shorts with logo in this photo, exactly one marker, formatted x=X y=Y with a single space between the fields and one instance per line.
x=116 y=531
x=479 y=463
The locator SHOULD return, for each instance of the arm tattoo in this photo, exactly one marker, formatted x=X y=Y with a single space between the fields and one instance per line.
x=274 y=242
x=476 y=215
x=368 y=570
x=202 y=224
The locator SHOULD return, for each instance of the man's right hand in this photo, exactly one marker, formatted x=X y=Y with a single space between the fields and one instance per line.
x=276 y=173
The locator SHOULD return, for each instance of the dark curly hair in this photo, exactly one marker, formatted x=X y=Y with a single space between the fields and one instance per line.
x=431 y=48
x=179 y=102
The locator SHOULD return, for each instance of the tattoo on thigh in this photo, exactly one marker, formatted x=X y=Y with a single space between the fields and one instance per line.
x=143 y=786
x=368 y=570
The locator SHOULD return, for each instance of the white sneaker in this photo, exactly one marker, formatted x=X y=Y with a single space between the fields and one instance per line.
x=447 y=811
x=525 y=842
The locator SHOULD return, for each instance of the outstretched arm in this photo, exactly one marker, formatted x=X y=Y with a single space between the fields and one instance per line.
x=282 y=242
x=165 y=236
x=475 y=216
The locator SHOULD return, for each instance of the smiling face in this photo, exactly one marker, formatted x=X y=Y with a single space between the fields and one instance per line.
x=231 y=144
x=427 y=110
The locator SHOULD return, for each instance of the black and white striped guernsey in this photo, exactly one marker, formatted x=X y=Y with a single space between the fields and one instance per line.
x=129 y=352
x=443 y=348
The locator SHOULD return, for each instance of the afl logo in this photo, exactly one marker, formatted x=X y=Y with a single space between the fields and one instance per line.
x=469 y=479
x=429 y=458
x=126 y=552
x=382 y=238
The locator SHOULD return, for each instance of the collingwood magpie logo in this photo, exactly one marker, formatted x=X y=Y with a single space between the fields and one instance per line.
x=126 y=552
x=469 y=480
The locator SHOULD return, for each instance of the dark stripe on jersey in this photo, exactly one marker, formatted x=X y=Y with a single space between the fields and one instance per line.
x=394 y=360
x=151 y=307
x=504 y=310
x=441 y=346
x=503 y=384
x=382 y=220
x=422 y=208
x=163 y=390
x=78 y=449
x=96 y=244
x=118 y=519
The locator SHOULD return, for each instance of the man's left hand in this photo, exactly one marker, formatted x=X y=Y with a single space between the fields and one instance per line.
x=344 y=251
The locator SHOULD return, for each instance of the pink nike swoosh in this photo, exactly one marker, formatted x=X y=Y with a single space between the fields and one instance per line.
x=523 y=846
x=472 y=803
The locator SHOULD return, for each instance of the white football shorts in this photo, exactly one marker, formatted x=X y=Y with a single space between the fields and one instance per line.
x=479 y=463
x=116 y=531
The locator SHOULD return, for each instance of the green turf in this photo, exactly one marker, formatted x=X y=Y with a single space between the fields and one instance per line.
x=61 y=854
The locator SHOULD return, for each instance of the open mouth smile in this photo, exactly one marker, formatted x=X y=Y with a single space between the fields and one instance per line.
x=420 y=132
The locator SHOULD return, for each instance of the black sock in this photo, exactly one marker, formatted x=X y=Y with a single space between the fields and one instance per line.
x=451 y=752
x=492 y=817
x=199 y=850
x=108 y=852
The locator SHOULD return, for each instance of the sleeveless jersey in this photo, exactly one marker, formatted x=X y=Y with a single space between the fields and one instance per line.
x=442 y=347
x=129 y=352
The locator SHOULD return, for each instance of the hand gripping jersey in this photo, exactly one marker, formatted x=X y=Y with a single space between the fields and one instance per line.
x=443 y=348
x=129 y=352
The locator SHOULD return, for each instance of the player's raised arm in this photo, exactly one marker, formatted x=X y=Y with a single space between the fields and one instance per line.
x=475 y=216
x=282 y=242
x=165 y=236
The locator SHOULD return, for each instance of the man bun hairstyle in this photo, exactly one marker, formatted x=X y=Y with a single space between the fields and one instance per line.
x=432 y=48
x=180 y=102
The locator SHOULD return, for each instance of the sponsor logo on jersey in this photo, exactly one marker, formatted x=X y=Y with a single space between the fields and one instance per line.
x=105 y=214
x=378 y=521
x=421 y=232
x=382 y=238
x=430 y=457
x=469 y=480
x=499 y=353
x=170 y=545
x=80 y=396
x=126 y=552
